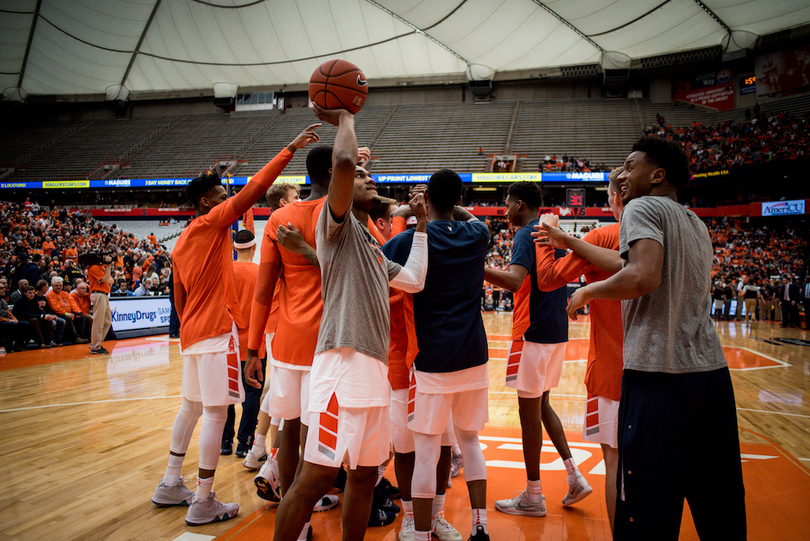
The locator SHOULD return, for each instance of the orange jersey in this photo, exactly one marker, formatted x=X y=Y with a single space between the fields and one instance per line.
x=296 y=284
x=245 y=276
x=403 y=348
x=603 y=375
x=204 y=292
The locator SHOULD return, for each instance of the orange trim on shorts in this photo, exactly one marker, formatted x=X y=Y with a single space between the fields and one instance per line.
x=513 y=361
x=592 y=415
x=327 y=429
x=233 y=369
x=411 y=396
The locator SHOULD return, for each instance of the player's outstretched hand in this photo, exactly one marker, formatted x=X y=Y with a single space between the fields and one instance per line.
x=417 y=189
x=291 y=239
x=579 y=299
x=418 y=207
x=306 y=137
x=332 y=116
x=363 y=155
x=253 y=369
x=547 y=235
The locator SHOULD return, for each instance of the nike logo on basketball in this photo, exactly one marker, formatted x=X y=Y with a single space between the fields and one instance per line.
x=361 y=82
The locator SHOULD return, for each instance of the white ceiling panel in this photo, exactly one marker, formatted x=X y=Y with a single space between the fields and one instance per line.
x=83 y=46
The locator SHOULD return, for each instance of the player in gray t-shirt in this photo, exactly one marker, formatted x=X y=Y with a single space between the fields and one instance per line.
x=349 y=390
x=677 y=418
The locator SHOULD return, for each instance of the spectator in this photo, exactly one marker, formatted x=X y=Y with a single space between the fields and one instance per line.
x=77 y=325
x=19 y=292
x=28 y=309
x=144 y=289
x=13 y=332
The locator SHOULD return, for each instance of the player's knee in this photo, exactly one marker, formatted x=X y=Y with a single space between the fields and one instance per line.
x=217 y=414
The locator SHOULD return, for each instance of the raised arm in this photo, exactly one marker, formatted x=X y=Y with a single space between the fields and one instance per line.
x=640 y=276
x=344 y=160
x=603 y=258
x=227 y=213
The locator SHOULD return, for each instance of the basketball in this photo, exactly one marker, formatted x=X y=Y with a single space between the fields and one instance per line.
x=338 y=84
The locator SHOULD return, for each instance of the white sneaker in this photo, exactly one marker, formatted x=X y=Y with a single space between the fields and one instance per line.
x=577 y=490
x=176 y=494
x=522 y=505
x=267 y=481
x=210 y=510
x=443 y=529
x=326 y=503
x=254 y=461
x=456 y=464
x=407 y=531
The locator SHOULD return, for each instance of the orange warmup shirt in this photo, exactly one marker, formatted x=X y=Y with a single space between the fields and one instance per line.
x=61 y=303
x=295 y=283
x=603 y=375
x=204 y=292
x=245 y=276
x=403 y=348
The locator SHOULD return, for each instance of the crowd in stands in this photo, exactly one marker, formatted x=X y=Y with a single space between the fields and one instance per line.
x=754 y=262
x=571 y=164
x=764 y=138
x=40 y=279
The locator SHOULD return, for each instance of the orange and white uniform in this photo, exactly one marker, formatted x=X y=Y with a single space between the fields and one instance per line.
x=603 y=375
x=206 y=298
x=293 y=283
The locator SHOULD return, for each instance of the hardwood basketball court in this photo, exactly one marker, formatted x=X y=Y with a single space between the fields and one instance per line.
x=86 y=439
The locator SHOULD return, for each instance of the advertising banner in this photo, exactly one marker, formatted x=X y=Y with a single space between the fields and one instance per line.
x=713 y=89
x=783 y=208
x=783 y=74
x=137 y=313
x=506 y=177
x=575 y=177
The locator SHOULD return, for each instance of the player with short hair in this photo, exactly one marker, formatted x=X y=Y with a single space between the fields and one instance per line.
x=536 y=353
x=208 y=307
x=451 y=364
x=677 y=401
x=349 y=391
x=603 y=375
x=282 y=193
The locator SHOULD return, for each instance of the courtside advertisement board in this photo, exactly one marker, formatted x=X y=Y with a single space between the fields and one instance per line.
x=138 y=313
x=783 y=208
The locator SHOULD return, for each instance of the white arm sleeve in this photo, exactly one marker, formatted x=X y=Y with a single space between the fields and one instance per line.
x=411 y=278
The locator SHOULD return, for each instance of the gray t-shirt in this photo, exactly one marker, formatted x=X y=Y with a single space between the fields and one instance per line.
x=354 y=286
x=669 y=330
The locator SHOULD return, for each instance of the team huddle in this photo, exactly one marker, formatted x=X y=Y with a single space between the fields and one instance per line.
x=377 y=349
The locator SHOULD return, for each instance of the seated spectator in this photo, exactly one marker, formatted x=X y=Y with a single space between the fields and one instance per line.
x=77 y=325
x=81 y=294
x=19 y=292
x=42 y=324
x=144 y=289
x=122 y=290
x=14 y=333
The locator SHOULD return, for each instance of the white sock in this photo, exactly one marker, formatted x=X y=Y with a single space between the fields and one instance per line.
x=303 y=535
x=438 y=503
x=380 y=473
x=571 y=468
x=173 y=468
x=456 y=450
x=479 y=518
x=204 y=487
x=534 y=489
x=407 y=506
x=421 y=536
x=259 y=447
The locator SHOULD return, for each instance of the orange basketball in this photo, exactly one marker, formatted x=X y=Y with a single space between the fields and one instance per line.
x=338 y=84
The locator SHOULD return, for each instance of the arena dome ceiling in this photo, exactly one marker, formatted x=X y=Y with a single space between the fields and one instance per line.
x=78 y=47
